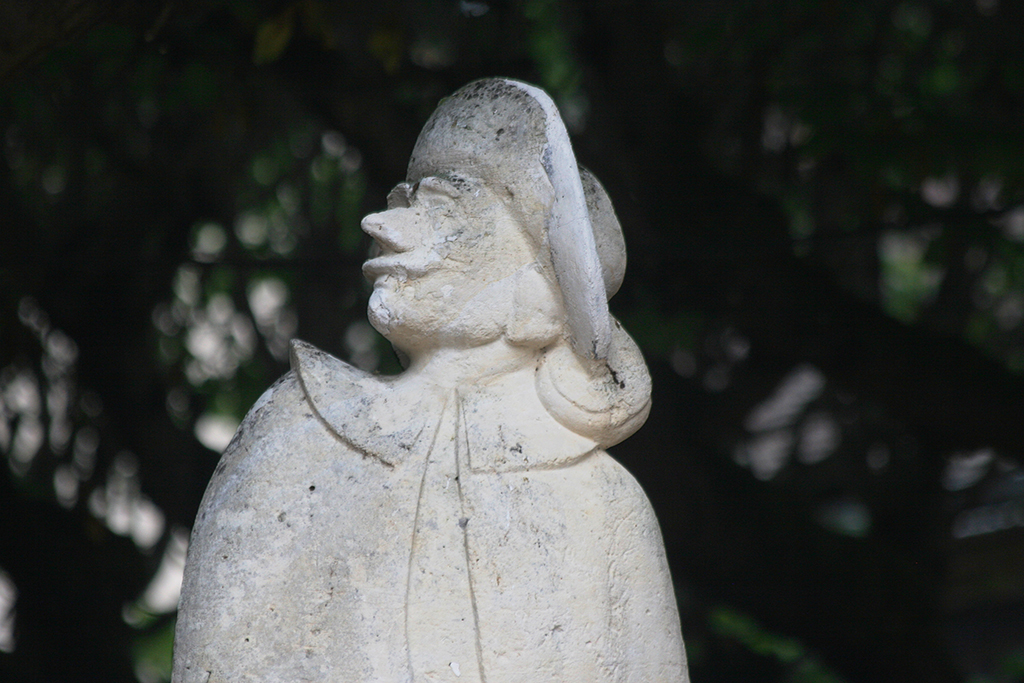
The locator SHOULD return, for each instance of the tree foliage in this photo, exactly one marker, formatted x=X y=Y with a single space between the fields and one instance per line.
x=824 y=207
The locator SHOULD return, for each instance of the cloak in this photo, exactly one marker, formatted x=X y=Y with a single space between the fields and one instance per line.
x=360 y=530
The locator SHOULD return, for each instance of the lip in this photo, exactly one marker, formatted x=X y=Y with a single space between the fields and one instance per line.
x=379 y=266
x=399 y=268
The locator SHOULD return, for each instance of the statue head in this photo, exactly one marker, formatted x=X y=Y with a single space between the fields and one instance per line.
x=494 y=198
x=498 y=234
x=454 y=269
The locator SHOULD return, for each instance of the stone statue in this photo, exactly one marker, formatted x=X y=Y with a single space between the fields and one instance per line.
x=460 y=521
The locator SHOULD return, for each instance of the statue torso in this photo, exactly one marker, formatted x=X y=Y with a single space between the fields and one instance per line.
x=457 y=538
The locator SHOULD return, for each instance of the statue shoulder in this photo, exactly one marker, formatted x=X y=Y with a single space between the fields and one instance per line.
x=325 y=380
x=277 y=406
x=315 y=367
x=287 y=403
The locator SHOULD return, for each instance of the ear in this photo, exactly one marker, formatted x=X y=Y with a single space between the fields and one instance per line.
x=537 y=316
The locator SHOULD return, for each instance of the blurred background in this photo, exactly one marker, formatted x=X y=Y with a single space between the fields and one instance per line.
x=824 y=208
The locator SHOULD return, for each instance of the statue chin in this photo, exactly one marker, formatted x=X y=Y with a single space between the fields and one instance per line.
x=401 y=330
x=405 y=332
x=379 y=314
x=410 y=328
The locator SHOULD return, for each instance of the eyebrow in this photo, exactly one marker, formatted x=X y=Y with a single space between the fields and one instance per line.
x=450 y=183
x=405 y=190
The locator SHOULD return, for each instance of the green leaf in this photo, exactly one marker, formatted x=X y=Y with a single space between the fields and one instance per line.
x=273 y=36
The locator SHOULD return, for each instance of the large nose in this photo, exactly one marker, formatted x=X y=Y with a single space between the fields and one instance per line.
x=389 y=230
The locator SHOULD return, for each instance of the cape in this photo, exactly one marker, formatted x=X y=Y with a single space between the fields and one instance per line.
x=357 y=531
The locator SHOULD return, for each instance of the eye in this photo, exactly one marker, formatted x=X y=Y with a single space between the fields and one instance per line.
x=400 y=197
x=432 y=192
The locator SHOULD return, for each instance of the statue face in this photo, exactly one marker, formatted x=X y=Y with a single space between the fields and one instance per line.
x=447 y=251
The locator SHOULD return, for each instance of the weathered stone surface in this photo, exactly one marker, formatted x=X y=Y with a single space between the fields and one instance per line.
x=460 y=521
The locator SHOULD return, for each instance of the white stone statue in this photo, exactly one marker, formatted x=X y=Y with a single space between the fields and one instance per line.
x=460 y=521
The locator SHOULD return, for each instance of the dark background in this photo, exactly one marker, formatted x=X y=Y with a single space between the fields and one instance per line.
x=824 y=208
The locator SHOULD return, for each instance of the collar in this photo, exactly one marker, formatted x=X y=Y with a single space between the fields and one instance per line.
x=506 y=427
